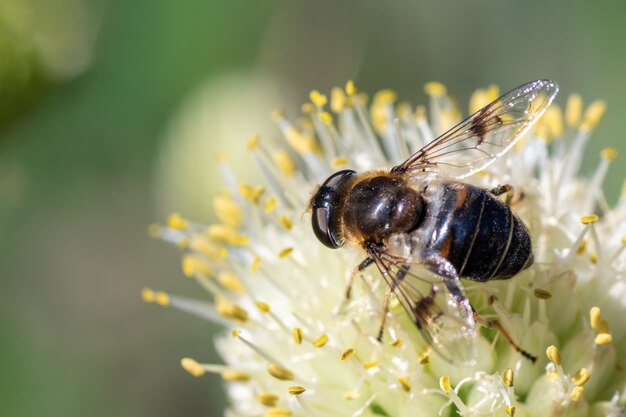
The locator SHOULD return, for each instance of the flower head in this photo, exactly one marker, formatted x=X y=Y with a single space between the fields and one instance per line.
x=294 y=346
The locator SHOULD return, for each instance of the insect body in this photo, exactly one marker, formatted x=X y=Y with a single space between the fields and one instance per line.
x=425 y=230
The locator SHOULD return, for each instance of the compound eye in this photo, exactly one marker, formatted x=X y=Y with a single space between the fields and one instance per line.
x=325 y=207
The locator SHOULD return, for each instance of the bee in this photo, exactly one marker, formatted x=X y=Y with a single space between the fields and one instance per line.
x=425 y=229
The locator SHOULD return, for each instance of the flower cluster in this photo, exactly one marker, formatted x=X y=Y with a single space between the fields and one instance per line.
x=295 y=347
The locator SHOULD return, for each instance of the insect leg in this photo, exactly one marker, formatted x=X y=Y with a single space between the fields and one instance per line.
x=359 y=268
x=495 y=324
x=511 y=197
x=390 y=290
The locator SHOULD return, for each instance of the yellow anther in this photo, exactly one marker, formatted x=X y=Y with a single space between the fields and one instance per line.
x=371 y=364
x=404 y=110
x=350 y=88
x=263 y=307
x=285 y=222
x=162 y=298
x=235 y=376
x=593 y=115
x=299 y=141
x=553 y=376
x=577 y=393
x=590 y=218
x=435 y=88
x=236 y=333
x=230 y=310
x=405 y=383
x=553 y=120
x=270 y=205
x=352 y=395
x=253 y=142
x=182 y=243
x=227 y=234
x=338 y=100
x=595 y=317
x=339 y=162
x=510 y=410
x=326 y=118
x=154 y=230
x=444 y=384
x=256 y=262
x=193 y=367
x=230 y=281
x=320 y=341
x=283 y=161
x=396 y=343
x=623 y=240
x=307 y=108
x=385 y=97
x=581 y=377
x=593 y=257
x=423 y=358
x=573 y=110
x=297 y=335
x=542 y=294
x=285 y=253
x=279 y=372
x=582 y=247
x=552 y=352
x=318 y=98
x=420 y=112
x=194 y=265
x=348 y=353
x=608 y=153
x=603 y=339
x=147 y=295
x=227 y=211
x=481 y=97
x=175 y=221
x=508 y=377
x=296 y=390
x=267 y=399
x=278 y=412
x=206 y=247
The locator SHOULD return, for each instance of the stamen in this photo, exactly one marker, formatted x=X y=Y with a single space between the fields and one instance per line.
x=405 y=383
x=193 y=265
x=263 y=307
x=542 y=294
x=234 y=376
x=318 y=99
x=278 y=412
x=573 y=110
x=268 y=399
x=338 y=100
x=285 y=252
x=552 y=352
x=230 y=281
x=444 y=384
x=227 y=211
x=285 y=164
x=193 y=367
x=593 y=115
x=297 y=335
x=589 y=219
x=510 y=410
x=256 y=262
x=371 y=364
x=577 y=393
x=348 y=353
x=508 y=377
x=352 y=395
x=321 y=341
x=581 y=377
x=279 y=372
x=177 y=222
x=296 y=390
x=285 y=222
x=270 y=205
x=350 y=88
x=603 y=339
x=230 y=310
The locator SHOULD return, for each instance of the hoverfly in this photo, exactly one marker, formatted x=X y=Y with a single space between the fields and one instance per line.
x=414 y=217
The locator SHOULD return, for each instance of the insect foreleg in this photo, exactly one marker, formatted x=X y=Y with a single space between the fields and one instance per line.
x=357 y=269
x=400 y=274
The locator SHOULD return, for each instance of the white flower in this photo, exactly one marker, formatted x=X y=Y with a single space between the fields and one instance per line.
x=293 y=347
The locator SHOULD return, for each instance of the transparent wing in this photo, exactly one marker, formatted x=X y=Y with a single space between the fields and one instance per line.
x=438 y=308
x=483 y=137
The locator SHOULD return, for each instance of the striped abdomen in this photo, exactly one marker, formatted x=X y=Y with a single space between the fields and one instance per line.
x=477 y=233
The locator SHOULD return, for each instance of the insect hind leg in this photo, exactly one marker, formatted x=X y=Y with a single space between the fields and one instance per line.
x=495 y=324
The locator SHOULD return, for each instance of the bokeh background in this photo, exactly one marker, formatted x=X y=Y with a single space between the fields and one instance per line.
x=111 y=111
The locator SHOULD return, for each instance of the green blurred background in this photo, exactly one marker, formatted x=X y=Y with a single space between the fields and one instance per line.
x=91 y=94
